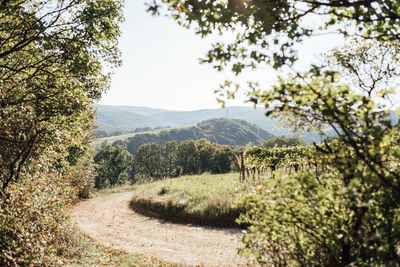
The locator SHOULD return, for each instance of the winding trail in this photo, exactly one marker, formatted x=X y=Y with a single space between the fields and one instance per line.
x=109 y=220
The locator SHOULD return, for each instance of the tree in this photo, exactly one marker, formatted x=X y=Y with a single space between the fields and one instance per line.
x=112 y=166
x=222 y=159
x=169 y=151
x=187 y=157
x=352 y=96
x=52 y=57
x=55 y=60
x=148 y=160
x=268 y=31
x=206 y=154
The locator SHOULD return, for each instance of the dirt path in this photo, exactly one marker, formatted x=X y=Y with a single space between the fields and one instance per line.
x=108 y=220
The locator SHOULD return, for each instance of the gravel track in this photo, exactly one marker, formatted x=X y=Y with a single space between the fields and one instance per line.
x=109 y=221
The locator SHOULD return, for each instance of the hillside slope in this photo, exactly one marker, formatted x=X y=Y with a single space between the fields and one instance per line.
x=221 y=131
x=112 y=118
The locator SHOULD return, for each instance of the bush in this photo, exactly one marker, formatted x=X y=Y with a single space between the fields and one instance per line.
x=81 y=176
x=298 y=220
x=31 y=219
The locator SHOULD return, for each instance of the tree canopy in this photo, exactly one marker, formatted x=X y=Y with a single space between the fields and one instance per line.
x=55 y=60
x=53 y=64
x=267 y=31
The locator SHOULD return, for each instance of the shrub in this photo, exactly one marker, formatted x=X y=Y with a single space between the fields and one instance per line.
x=31 y=219
x=298 y=220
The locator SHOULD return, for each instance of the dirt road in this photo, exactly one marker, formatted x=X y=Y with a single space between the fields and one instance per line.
x=109 y=221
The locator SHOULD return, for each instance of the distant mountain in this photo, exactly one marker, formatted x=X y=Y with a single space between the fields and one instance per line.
x=113 y=118
x=222 y=131
x=129 y=118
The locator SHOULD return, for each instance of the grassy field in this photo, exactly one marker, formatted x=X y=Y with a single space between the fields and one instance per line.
x=109 y=140
x=208 y=197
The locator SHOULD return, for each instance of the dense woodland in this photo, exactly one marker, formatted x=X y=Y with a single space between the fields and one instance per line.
x=56 y=59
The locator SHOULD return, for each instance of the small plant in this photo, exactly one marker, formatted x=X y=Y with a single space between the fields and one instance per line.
x=164 y=189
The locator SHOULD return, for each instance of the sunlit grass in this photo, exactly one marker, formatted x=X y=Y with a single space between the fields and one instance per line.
x=123 y=137
x=200 y=195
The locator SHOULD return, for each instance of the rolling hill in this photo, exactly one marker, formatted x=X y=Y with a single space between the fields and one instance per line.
x=113 y=118
x=222 y=131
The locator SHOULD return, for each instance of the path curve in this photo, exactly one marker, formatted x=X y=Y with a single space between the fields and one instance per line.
x=109 y=220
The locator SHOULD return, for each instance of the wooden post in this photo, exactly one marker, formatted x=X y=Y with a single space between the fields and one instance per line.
x=242 y=169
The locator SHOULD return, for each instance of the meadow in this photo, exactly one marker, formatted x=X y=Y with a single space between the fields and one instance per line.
x=205 y=199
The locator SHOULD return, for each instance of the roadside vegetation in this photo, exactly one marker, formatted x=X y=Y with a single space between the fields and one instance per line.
x=80 y=250
x=55 y=58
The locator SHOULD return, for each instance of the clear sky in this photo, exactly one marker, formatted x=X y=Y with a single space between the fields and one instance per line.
x=161 y=65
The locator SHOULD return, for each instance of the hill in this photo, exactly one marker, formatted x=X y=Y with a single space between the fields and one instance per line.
x=113 y=118
x=232 y=132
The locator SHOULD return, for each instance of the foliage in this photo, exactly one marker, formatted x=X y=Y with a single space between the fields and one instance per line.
x=148 y=160
x=55 y=58
x=295 y=220
x=261 y=157
x=50 y=56
x=169 y=151
x=362 y=161
x=206 y=152
x=112 y=166
x=281 y=141
x=187 y=157
x=203 y=156
x=154 y=161
x=82 y=175
x=267 y=32
x=221 y=159
x=30 y=219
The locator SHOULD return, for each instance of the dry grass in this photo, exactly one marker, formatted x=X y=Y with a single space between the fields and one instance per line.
x=83 y=251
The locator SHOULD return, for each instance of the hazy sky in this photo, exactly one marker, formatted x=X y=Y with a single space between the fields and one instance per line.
x=161 y=67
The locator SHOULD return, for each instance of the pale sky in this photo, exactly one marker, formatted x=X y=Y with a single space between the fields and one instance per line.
x=161 y=65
